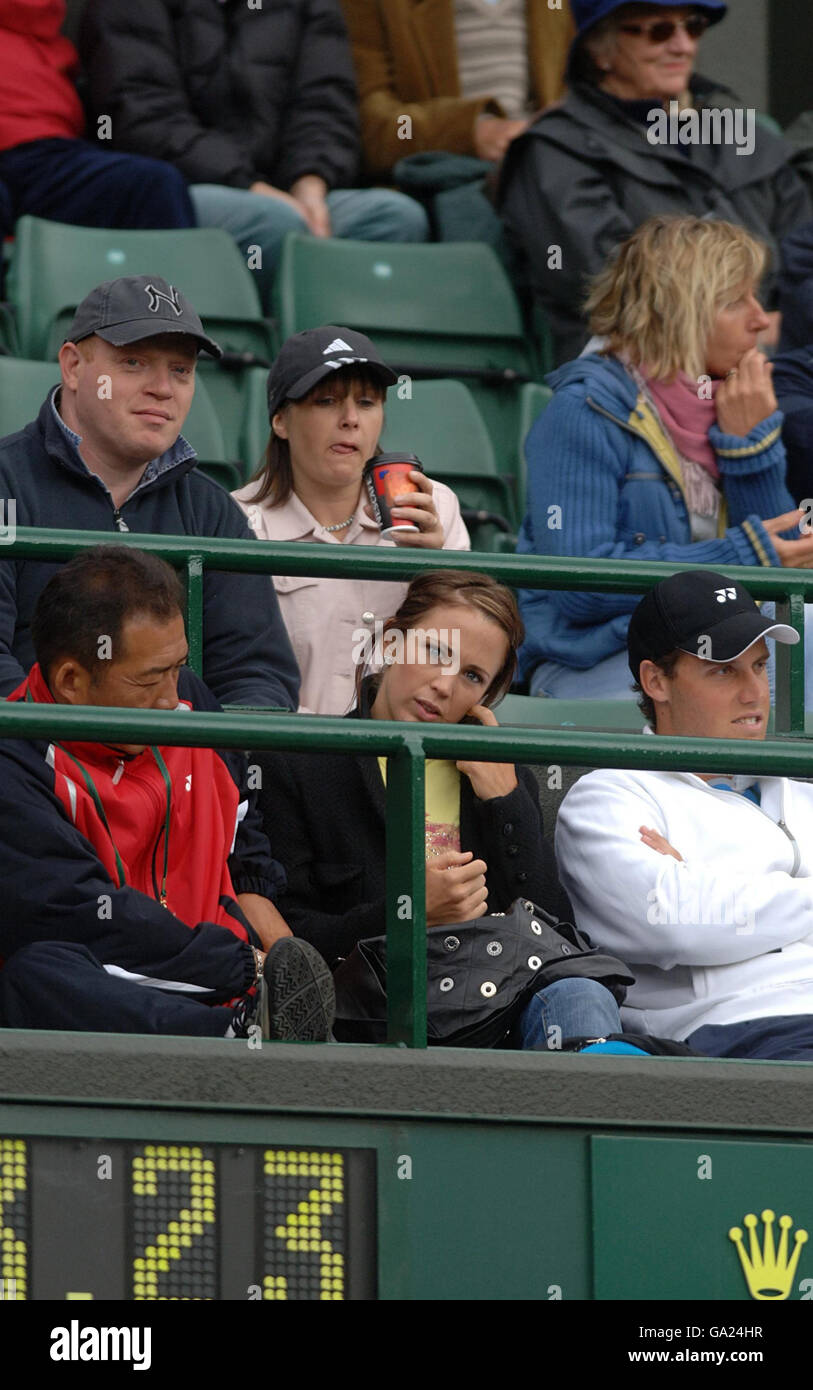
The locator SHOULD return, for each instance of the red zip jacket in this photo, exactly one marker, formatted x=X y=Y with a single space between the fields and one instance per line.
x=38 y=99
x=83 y=853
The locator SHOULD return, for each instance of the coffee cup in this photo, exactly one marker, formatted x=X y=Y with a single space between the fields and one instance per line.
x=386 y=476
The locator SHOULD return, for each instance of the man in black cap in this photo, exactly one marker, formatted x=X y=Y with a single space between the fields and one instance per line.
x=106 y=453
x=702 y=883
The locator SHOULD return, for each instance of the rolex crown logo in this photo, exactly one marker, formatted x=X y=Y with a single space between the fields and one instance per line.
x=768 y=1272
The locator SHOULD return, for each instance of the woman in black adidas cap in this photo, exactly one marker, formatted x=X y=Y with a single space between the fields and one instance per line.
x=326 y=393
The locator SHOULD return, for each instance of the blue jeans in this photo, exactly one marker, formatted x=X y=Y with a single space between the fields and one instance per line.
x=782 y=1038
x=255 y=220
x=571 y=1008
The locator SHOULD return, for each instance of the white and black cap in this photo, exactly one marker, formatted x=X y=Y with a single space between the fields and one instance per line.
x=305 y=358
x=135 y=307
x=701 y=613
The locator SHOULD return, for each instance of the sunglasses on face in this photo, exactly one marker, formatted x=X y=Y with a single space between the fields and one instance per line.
x=660 y=30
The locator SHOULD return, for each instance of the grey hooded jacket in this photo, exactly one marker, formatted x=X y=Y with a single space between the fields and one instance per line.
x=585 y=175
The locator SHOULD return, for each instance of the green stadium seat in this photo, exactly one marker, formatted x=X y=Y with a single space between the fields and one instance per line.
x=533 y=400
x=8 y=331
x=436 y=310
x=203 y=431
x=255 y=427
x=24 y=386
x=53 y=266
x=440 y=422
x=529 y=711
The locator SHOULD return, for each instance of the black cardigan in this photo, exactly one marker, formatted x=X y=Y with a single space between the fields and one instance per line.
x=324 y=815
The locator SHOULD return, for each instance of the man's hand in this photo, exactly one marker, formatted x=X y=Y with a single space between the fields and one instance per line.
x=493 y=135
x=746 y=397
x=488 y=780
x=310 y=193
x=455 y=888
x=656 y=841
x=264 y=918
x=267 y=190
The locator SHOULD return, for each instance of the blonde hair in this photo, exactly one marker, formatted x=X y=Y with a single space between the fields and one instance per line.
x=657 y=298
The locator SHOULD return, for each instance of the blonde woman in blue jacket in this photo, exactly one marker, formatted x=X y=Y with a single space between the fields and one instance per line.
x=663 y=443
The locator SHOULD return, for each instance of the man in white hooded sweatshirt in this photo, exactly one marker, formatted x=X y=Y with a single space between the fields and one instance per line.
x=702 y=883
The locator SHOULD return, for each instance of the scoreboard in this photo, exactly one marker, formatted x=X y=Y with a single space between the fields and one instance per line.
x=88 y=1219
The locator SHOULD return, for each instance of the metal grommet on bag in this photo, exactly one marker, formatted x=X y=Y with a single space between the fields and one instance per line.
x=535 y=928
x=488 y=989
x=494 y=948
x=534 y=962
x=451 y=943
x=446 y=984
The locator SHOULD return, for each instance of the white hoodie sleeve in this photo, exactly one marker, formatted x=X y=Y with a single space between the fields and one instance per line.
x=723 y=904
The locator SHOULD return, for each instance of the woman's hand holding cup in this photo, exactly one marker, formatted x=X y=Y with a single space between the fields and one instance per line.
x=419 y=508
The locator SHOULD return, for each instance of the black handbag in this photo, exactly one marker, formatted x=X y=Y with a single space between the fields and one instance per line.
x=480 y=976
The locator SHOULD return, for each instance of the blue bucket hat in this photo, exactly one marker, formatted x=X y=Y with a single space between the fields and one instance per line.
x=586 y=13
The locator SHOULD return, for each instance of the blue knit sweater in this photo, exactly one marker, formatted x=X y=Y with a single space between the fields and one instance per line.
x=604 y=481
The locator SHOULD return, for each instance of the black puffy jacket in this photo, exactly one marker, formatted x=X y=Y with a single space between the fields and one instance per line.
x=227 y=92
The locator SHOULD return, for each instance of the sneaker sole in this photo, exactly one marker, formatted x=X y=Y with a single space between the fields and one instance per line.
x=300 y=1002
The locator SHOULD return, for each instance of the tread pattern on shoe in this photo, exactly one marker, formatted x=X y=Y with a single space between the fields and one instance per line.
x=301 y=998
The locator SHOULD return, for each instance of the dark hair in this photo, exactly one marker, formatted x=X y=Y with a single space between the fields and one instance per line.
x=275 y=476
x=93 y=596
x=666 y=664
x=458 y=588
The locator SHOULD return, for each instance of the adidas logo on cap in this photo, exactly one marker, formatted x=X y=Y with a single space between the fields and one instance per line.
x=338 y=345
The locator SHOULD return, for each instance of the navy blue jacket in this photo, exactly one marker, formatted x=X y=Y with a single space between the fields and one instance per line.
x=247 y=656
x=793 y=384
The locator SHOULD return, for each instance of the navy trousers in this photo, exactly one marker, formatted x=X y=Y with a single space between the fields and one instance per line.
x=82 y=183
x=59 y=984
x=783 y=1038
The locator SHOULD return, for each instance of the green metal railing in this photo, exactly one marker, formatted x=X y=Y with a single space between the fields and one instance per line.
x=406 y=746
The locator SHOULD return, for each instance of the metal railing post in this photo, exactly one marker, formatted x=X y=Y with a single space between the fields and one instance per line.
x=789 y=715
x=194 y=612
x=406 y=896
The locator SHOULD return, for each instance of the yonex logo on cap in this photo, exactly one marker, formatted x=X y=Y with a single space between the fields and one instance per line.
x=722 y=595
x=155 y=296
x=338 y=345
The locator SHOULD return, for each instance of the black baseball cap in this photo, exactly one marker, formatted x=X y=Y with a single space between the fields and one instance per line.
x=135 y=307
x=701 y=613
x=307 y=357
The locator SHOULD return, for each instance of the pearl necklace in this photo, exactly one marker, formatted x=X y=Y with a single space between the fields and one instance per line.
x=340 y=525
